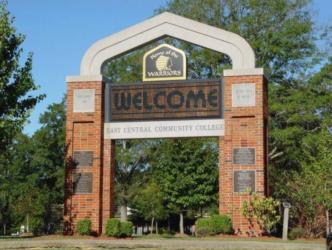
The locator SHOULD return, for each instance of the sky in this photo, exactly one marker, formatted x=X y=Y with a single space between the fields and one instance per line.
x=58 y=32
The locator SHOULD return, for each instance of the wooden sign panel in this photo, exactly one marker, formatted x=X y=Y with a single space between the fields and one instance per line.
x=162 y=101
x=244 y=181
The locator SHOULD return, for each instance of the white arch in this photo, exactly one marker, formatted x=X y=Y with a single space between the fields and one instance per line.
x=231 y=44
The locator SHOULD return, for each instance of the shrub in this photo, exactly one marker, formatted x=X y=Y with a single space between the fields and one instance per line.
x=116 y=228
x=36 y=225
x=296 y=232
x=203 y=222
x=214 y=225
x=221 y=224
x=263 y=210
x=113 y=227
x=83 y=227
x=203 y=231
x=203 y=227
x=126 y=229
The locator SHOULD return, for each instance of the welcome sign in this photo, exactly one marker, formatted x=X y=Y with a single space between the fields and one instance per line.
x=164 y=101
x=166 y=107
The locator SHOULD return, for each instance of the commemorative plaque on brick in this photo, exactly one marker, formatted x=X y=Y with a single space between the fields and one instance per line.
x=84 y=100
x=244 y=181
x=244 y=156
x=243 y=95
x=83 y=158
x=83 y=183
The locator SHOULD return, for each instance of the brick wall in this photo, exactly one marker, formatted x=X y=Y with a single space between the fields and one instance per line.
x=84 y=131
x=244 y=127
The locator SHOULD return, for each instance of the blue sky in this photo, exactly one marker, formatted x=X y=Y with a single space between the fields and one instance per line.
x=58 y=32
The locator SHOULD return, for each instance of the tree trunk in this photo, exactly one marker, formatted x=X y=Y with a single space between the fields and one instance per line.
x=123 y=212
x=4 y=228
x=152 y=222
x=27 y=226
x=157 y=231
x=181 y=223
x=168 y=225
x=327 y=222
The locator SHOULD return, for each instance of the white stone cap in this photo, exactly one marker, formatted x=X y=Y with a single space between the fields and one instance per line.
x=168 y=24
x=85 y=78
x=244 y=72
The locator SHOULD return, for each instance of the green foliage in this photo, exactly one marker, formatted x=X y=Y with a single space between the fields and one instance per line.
x=113 y=227
x=117 y=228
x=187 y=172
x=33 y=184
x=148 y=202
x=280 y=32
x=37 y=225
x=203 y=227
x=307 y=182
x=216 y=224
x=263 y=210
x=221 y=224
x=131 y=166
x=16 y=81
x=126 y=229
x=83 y=227
x=296 y=233
x=203 y=232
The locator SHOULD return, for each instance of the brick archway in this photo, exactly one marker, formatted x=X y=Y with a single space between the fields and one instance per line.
x=243 y=147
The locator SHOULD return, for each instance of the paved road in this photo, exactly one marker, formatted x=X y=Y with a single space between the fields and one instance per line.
x=154 y=244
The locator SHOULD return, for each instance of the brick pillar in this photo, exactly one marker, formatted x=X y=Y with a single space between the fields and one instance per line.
x=108 y=181
x=84 y=134
x=245 y=127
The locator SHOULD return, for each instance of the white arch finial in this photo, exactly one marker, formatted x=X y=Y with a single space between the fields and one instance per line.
x=236 y=47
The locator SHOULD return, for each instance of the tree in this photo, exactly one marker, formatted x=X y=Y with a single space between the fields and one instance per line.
x=281 y=33
x=306 y=139
x=48 y=160
x=16 y=81
x=187 y=173
x=149 y=203
x=130 y=164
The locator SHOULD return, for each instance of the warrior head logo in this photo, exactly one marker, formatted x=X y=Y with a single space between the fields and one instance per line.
x=164 y=63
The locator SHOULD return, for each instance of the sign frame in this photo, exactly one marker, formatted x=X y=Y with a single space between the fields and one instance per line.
x=235 y=190
x=247 y=163
x=184 y=65
x=76 y=178
x=108 y=101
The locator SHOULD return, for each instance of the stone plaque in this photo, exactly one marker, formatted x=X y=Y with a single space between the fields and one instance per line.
x=244 y=156
x=244 y=95
x=244 y=181
x=83 y=158
x=84 y=100
x=83 y=183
